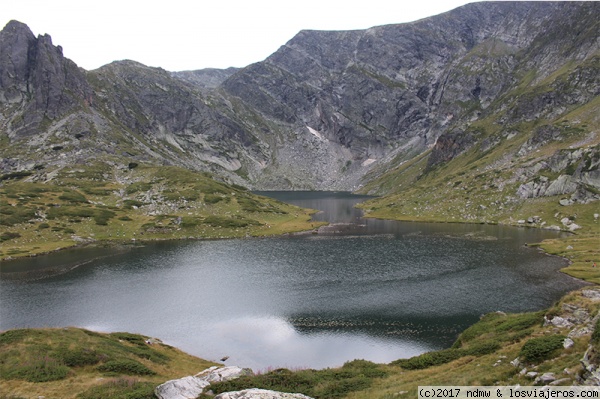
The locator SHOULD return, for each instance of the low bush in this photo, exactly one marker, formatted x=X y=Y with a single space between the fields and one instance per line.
x=541 y=348
x=125 y=366
x=35 y=369
x=213 y=198
x=226 y=222
x=78 y=357
x=9 y=235
x=137 y=187
x=443 y=356
x=13 y=215
x=11 y=336
x=73 y=196
x=429 y=359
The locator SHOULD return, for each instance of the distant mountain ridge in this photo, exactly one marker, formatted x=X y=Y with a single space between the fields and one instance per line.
x=328 y=110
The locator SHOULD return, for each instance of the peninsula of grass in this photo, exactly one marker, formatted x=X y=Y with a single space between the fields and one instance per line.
x=98 y=204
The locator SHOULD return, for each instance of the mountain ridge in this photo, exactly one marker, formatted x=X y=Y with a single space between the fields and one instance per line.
x=328 y=110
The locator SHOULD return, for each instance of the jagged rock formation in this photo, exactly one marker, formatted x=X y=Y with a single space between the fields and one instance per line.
x=329 y=110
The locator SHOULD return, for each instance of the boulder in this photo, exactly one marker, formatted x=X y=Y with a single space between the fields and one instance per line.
x=183 y=388
x=215 y=374
x=191 y=387
x=545 y=378
x=558 y=321
x=255 y=393
x=594 y=295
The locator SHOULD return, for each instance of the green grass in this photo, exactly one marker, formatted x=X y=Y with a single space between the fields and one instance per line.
x=78 y=363
x=121 y=388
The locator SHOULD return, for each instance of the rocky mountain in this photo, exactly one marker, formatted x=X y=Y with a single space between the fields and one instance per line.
x=331 y=110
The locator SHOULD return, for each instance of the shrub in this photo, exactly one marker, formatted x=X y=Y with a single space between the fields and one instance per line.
x=541 y=348
x=12 y=215
x=36 y=369
x=139 y=186
x=429 y=359
x=102 y=216
x=11 y=336
x=78 y=357
x=73 y=196
x=9 y=235
x=212 y=198
x=221 y=221
x=125 y=366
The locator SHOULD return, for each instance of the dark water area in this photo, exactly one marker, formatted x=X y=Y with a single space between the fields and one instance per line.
x=361 y=288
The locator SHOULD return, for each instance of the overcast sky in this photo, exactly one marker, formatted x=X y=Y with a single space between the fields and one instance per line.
x=185 y=35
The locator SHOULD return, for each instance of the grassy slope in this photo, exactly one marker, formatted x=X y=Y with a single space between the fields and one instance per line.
x=67 y=362
x=104 y=203
x=509 y=332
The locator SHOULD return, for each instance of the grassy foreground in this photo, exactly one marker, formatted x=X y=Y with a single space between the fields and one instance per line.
x=103 y=203
x=76 y=363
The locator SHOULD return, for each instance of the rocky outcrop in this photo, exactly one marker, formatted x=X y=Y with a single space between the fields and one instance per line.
x=578 y=176
x=192 y=386
x=37 y=83
x=260 y=394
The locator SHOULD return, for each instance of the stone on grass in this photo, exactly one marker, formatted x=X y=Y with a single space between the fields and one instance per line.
x=255 y=393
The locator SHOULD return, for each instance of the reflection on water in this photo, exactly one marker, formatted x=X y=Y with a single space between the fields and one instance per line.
x=379 y=290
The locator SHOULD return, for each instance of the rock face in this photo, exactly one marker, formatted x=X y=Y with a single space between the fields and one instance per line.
x=328 y=110
x=34 y=75
x=260 y=394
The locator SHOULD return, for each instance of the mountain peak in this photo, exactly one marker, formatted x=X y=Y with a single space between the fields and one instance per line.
x=14 y=26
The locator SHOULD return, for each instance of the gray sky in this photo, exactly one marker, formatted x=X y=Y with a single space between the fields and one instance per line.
x=184 y=35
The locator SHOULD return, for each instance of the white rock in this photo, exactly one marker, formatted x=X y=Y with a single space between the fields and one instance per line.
x=215 y=374
x=568 y=343
x=574 y=227
x=591 y=294
x=183 y=388
x=191 y=387
x=546 y=378
x=558 y=321
x=260 y=394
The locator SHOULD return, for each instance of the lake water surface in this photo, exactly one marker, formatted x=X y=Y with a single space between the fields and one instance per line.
x=370 y=289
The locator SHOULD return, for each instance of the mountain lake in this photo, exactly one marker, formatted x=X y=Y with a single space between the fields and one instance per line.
x=359 y=289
